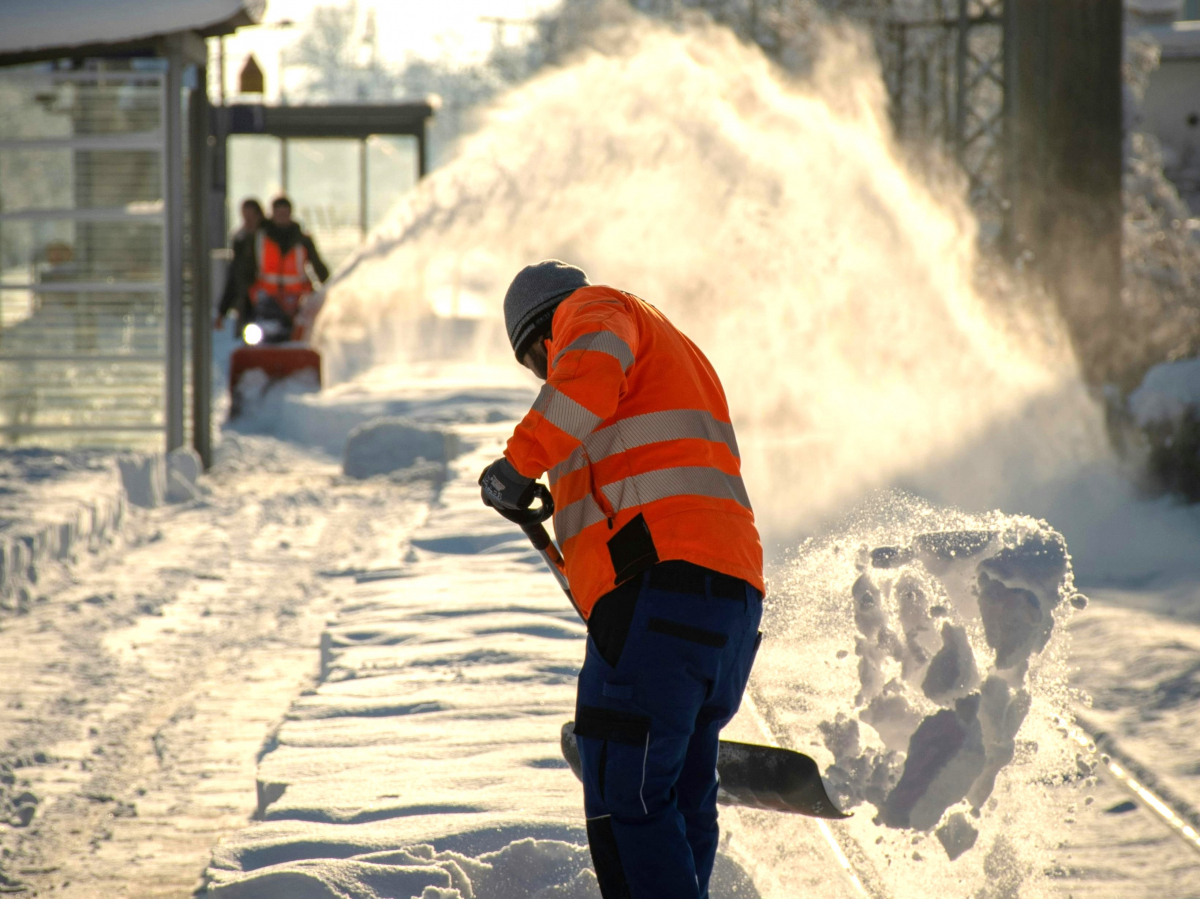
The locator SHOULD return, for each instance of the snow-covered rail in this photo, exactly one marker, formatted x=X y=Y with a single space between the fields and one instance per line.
x=842 y=849
x=1140 y=781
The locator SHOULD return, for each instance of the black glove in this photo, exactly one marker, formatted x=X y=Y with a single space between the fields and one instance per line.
x=503 y=487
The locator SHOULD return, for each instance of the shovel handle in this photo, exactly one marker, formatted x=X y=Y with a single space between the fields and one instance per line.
x=532 y=521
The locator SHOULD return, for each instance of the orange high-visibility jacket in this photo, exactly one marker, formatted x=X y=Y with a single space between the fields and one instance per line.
x=634 y=429
x=283 y=276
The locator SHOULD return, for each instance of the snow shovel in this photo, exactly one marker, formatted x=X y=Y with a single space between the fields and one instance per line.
x=751 y=776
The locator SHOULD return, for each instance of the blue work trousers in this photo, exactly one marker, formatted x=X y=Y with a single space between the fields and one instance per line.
x=648 y=726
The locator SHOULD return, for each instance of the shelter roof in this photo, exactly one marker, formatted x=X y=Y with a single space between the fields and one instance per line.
x=48 y=29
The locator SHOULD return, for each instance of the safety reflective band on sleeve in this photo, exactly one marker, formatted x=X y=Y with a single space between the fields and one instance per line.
x=564 y=413
x=601 y=342
x=648 y=487
x=640 y=430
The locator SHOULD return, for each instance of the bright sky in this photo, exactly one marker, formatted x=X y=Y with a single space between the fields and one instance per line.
x=417 y=27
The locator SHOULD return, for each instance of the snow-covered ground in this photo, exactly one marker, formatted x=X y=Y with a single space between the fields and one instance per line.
x=305 y=682
x=376 y=671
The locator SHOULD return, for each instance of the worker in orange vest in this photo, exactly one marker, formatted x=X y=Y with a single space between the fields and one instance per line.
x=282 y=255
x=662 y=555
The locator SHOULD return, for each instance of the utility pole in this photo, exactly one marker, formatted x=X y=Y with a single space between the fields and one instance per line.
x=1063 y=64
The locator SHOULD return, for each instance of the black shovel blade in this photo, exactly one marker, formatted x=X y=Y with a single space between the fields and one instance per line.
x=768 y=777
x=753 y=776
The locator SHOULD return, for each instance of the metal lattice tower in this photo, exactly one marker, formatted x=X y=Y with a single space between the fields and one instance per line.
x=944 y=62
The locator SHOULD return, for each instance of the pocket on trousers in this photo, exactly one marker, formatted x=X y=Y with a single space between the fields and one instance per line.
x=611 y=724
x=687 y=632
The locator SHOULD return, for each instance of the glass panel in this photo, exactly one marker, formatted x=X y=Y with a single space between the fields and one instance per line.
x=47 y=324
x=323 y=183
x=254 y=164
x=81 y=302
x=121 y=401
x=391 y=173
x=81 y=179
x=54 y=251
x=33 y=108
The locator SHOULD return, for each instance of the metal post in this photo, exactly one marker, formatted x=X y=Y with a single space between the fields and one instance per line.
x=173 y=207
x=943 y=43
x=218 y=197
x=201 y=178
x=960 y=81
x=1009 y=242
x=901 y=75
x=362 y=186
x=1067 y=163
x=422 y=163
x=283 y=166
x=221 y=68
x=923 y=96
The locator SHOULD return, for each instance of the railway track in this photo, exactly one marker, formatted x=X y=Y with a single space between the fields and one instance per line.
x=1112 y=763
x=852 y=861
x=1136 y=779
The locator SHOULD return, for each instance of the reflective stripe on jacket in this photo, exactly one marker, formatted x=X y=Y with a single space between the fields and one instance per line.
x=633 y=428
x=281 y=275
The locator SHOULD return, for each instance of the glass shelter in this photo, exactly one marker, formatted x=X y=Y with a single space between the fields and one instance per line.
x=104 y=161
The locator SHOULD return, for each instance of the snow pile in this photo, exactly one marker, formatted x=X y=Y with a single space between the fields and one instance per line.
x=183 y=475
x=1167 y=408
x=1169 y=393
x=436 y=394
x=144 y=477
x=54 y=505
x=385 y=445
x=524 y=869
x=153 y=479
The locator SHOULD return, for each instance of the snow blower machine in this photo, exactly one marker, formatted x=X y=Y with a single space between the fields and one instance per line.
x=275 y=343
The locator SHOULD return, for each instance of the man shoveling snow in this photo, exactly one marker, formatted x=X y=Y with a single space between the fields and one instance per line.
x=663 y=559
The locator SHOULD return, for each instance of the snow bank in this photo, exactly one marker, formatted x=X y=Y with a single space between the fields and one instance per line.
x=385 y=445
x=53 y=505
x=524 y=869
x=1167 y=408
x=1167 y=394
x=423 y=394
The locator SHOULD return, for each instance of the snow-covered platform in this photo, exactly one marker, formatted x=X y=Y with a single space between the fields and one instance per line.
x=428 y=758
x=444 y=684
x=53 y=504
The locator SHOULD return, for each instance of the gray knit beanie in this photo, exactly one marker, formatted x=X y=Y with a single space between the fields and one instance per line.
x=532 y=298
